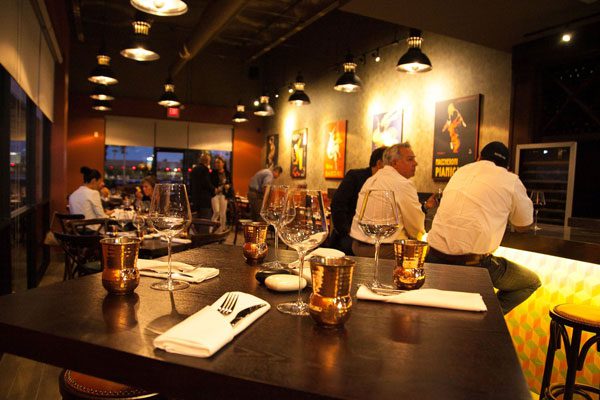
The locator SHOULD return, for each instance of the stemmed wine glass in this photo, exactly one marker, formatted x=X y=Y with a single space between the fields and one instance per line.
x=123 y=217
x=539 y=200
x=138 y=221
x=378 y=219
x=303 y=227
x=271 y=211
x=169 y=214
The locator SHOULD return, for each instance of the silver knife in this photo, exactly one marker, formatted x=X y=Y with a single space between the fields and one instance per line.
x=245 y=312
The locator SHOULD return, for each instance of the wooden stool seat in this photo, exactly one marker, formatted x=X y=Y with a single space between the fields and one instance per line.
x=75 y=385
x=581 y=318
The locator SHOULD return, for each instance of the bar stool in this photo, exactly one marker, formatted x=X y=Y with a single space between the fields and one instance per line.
x=580 y=318
x=77 y=386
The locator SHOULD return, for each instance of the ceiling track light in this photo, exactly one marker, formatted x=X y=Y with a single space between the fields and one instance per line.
x=101 y=105
x=414 y=60
x=376 y=56
x=349 y=82
x=240 y=113
x=138 y=49
x=102 y=74
x=264 y=109
x=162 y=8
x=102 y=92
x=169 y=98
x=299 y=97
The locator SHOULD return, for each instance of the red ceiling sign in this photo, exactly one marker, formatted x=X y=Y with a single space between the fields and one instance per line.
x=173 y=112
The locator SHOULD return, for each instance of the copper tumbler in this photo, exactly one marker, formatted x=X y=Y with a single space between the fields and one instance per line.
x=119 y=270
x=330 y=302
x=255 y=247
x=409 y=272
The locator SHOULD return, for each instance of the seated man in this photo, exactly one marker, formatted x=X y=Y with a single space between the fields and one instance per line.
x=469 y=224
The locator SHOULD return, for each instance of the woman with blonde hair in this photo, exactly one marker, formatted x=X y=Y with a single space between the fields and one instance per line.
x=221 y=180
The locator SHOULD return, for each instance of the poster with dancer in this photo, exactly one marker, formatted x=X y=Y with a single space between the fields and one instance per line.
x=456 y=135
x=335 y=150
x=298 y=156
x=387 y=129
x=272 y=152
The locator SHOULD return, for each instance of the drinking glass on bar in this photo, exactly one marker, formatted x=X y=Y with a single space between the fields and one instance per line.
x=169 y=215
x=271 y=211
x=378 y=219
x=539 y=200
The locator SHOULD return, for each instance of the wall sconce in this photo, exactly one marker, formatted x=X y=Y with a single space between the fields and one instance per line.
x=349 y=82
x=240 y=113
x=299 y=97
x=169 y=98
x=264 y=108
x=414 y=60
x=138 y=49
x=163 y=8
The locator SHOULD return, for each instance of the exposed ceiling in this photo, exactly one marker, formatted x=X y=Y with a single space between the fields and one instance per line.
x=208 y=50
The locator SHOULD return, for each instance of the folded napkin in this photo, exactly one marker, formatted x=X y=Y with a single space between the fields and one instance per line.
x=429 y=298
x=320 y=252
x=204 y=333
x=160 y=269
x=177 y=240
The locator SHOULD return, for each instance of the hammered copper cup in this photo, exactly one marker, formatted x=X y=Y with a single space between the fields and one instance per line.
x=409 y=272
x=255 y=248
x=330 y=302
x=120 y=274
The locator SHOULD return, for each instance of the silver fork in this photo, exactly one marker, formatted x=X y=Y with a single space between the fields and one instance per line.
x=228 y=304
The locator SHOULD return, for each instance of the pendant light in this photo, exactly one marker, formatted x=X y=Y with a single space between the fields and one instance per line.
x=138 y=49
x=102 y=92
x=349 y=82
x=264 y=109
x=414 y=60
x=240 y=113
x=163 y=8
x=103 y=74
x=101 y=105
x=299 y=97
x=168 y=98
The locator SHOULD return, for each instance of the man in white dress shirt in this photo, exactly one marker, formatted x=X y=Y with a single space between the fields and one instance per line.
x=400 y=165
x=470 y=222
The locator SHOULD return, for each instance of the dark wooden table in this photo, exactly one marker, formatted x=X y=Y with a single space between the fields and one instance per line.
x=384 y=352
x=155 y=248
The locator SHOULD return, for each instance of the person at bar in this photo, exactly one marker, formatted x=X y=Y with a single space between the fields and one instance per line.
x=468 y=227
x=86 y=199
x=221 y=180
x=256 y=187
x=343 y=204
x=399 y=165
x=202 y=189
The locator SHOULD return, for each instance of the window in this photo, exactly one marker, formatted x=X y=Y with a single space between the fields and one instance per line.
x=127 y=165
x=18 y=146
x=169 y=166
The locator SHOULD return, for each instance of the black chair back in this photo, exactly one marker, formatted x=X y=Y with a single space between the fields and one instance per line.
x=83 y=254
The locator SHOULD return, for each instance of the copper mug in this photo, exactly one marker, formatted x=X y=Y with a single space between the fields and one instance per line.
x=409 y=272
x=330 y=302
x=120 y=274
x=255 y=247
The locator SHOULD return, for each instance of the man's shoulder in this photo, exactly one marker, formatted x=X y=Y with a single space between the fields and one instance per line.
x=358 y=173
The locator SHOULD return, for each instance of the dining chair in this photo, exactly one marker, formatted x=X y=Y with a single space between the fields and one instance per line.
x=65 y=219
x=93 y=226
x=82 y=254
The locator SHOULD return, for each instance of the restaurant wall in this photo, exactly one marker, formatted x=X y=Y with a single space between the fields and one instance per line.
x=86 y=149
x=459 y=69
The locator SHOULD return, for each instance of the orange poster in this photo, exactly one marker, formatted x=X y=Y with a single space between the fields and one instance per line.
x=335 y=150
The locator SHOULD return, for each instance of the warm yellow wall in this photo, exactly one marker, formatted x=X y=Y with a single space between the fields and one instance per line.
x=459 y=69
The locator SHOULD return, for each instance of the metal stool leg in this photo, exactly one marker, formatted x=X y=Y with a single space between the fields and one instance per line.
x=553 y=344
x=572 y=361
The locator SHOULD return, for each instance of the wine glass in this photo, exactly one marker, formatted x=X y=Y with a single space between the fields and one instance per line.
x=303 y=227
x=138 y=221
x=539 y=200
x=169 y=214
x=378 y=219
x=123 y=216
x=271 y=211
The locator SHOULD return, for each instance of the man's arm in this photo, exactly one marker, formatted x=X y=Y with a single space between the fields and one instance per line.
x=410 y=210
x=521 y=215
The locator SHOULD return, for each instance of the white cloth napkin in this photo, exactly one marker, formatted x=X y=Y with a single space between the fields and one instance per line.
x=177 y=240
x=204 y=333
x=429 y=298
x=320 y=252
x=197 y=274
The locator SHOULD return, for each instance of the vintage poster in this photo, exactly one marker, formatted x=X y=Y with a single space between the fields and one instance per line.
x=456 y=135
x=272 y=151
x=298 y=156
x=387 y=128
x=335 y=150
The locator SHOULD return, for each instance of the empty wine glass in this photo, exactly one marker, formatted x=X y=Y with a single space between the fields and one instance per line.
x=271 y=211
x=123 y=217
x=169 y=214
x=303 y=227
x=138 y=222
x=539 y=200
x=378 y=219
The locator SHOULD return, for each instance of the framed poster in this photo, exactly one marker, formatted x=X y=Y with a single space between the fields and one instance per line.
x=272 y=153
x=335 y=151
x=387 y=129
x=456 y=135
x=298 y=156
